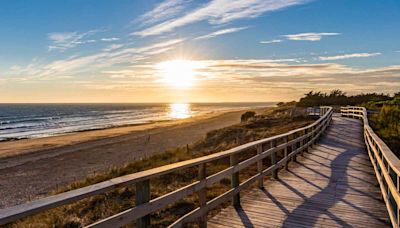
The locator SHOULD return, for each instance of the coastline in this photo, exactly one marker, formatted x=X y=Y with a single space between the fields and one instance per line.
x=9 y=148
x=32 y=168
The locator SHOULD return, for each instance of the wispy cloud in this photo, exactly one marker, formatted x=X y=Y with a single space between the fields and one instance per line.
x=62 y=41
x=113 y=47
x=163 y=11
x=312 y=36
x=348 y=56
x=270 y=41
x=220 y=12
x=220 y=32
x=110 y=39
x=108 y=57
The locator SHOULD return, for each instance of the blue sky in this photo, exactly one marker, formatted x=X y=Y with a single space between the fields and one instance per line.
x=264 y=50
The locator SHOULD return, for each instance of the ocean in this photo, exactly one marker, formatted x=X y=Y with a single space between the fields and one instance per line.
x=23 y=121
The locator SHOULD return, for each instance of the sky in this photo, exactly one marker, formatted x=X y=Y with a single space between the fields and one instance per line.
x=195 y=51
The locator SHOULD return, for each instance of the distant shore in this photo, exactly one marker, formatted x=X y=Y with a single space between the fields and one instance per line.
x=32 y=168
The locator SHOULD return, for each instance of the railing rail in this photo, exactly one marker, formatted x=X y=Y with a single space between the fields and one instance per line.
x=385 y=162
x=295 y=142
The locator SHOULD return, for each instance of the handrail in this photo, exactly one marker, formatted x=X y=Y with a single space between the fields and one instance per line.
x=295 y=141
x=386 y=164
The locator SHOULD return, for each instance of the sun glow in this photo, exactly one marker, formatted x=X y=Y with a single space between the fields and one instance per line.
x=179 y=110
x=178 y=73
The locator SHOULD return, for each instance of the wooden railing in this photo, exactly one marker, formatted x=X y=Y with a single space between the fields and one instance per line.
x=291 y=143
x=385 y=162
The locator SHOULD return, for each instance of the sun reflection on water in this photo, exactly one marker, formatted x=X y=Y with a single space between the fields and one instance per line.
x=179 y=110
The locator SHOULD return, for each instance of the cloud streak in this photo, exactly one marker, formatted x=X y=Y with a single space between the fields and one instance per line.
x=312 y=36
x=220 y=32
x=220 y=12
x=270 y=41
x=110 y=39
x=348 y=56
x=62 y=41
x=75 y=65
x=163 y=11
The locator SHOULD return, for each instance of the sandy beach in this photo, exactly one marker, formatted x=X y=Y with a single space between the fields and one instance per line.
x=32 y=168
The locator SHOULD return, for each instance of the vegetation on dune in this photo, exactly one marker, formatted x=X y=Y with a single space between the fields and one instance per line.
x=339 y=98
x=384 y=118
x=387 y=125
x=274 y=121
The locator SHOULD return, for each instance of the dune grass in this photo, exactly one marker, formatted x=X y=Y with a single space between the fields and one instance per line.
x=86 y=211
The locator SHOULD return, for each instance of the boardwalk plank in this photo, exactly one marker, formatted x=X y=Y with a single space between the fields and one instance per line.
x=333 y=185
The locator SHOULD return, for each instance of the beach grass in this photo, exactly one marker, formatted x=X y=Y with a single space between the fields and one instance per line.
x=273 y=122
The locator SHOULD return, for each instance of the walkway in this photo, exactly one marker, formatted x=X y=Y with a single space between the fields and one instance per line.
x=333 y=185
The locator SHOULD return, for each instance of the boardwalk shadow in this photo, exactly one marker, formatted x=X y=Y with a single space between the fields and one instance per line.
x=322 y=201
x=243 y=217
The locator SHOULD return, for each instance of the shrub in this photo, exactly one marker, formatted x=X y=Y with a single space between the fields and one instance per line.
x=247 y=116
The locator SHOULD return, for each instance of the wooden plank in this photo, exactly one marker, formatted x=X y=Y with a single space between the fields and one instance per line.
x=335 y=188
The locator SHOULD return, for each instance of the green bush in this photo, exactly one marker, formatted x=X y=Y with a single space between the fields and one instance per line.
x=387 y=125
x=247 y=116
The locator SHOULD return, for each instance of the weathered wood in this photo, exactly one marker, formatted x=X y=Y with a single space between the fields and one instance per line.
x=273 y=159
x=260 y=165
x=331 y=186
x=235 y=180
x=379 y=151
x=142 y=197
x=285 y=153
x=294 y=147
x=202 y=194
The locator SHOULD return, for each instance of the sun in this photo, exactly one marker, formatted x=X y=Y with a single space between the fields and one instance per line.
x=178 y=73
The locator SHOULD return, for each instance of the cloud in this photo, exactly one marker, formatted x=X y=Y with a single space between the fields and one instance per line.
x=348 y=56
x=75 y=65
x=113 y=47
x=110 y=39
x=220 y=12
x=312 y=36
x=163 y=11
x=251 y=76
x=62 y=41
x=220 y=32
x=270 y=41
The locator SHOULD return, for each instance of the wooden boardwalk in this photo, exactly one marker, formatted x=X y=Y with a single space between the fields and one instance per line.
x=333 y=185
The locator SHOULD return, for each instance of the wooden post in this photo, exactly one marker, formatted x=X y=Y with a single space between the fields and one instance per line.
x=235 y=180
x=312 y=136
x=302 y=142
x=273 y=160
x=306 y=140
x=260 y=165
x=285 y=152
x=143 y=196
x=202 y=195
x=294 y=147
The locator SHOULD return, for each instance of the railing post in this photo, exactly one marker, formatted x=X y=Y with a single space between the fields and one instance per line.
x=294 y=147
x=306 y=140
x=260 y=166
x=273 y=160
x=302 y=142
x=285 y=152
x=142 y=197
x=202 y=194
x=235 y=180
x=312 y=136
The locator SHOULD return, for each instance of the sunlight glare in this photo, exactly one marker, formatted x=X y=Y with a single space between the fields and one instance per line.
x=178 y=73
x=179 y=110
